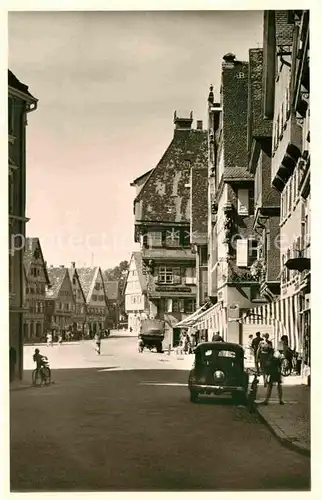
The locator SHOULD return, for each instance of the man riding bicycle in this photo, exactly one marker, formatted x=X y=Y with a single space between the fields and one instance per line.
x=40 y=361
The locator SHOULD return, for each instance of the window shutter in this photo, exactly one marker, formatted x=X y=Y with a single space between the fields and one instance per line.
x=188 y=272
x=176 y=275
x=242 y=253
x=243 y=201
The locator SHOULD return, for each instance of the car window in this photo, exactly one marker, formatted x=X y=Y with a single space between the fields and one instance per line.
x=226 y=354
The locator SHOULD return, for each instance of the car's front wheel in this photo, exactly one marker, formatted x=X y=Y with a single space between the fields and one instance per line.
x=193 y=396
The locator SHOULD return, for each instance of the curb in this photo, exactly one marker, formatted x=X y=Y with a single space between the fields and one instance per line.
x=281 y=436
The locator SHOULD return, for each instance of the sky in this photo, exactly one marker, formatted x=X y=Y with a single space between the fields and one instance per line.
x=108 y=84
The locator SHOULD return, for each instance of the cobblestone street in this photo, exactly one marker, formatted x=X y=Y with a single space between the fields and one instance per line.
x=111 y=425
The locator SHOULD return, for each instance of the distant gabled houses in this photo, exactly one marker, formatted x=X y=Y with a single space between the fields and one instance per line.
x=92 y=282
x=79 y=316
x=60 y=302
x=137 y=305
x=37 y=280
x=112 y=291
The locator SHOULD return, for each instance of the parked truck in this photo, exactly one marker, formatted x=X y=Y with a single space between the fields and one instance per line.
x=151 y=334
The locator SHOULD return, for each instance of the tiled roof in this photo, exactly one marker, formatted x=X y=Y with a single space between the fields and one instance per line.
x=72 y=271
x=235 y=105
x=141 y=177
x=237 y=173
x=164 y=195
x=111 y=289
x=139 y=267
x=30 y=247
x=87 y=275
x=17 y=84
x=56 y=276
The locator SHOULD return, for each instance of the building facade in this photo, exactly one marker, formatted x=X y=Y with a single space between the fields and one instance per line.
x=37 y=280
x=287 y=37
x=79 y=317
x=60 y=302
x=92 y=283
x=137 y=305
x=286 y=104
x=162 y=209
x=20 y=103
x=231 y=238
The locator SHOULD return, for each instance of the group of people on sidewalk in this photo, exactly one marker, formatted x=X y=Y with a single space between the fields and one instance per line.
x=268 y=361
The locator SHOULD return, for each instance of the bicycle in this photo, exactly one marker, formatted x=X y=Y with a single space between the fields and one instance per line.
x=253 y=393
x=286 y=367
x=42 y=375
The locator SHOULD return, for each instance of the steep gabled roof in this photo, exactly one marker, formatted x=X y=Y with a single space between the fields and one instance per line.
x=87 y=278
x=111 y=289
x=137 y=256
x=164 y=196
x=72 y=271
x=141 y=177
x=18 y=85
x=31 y=245
x=56 y=276
x=236 y=174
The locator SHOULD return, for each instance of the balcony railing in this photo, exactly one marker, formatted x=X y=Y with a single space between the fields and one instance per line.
x=168 y=253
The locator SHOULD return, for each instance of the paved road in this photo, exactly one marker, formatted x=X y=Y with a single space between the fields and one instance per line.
x=109 y=425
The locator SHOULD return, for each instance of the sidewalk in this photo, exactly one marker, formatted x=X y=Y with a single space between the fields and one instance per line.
x=289 y=422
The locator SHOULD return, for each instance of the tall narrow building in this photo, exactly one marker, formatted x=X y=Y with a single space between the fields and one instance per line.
x=233 y=245
x=164 y=211
x=20 y=103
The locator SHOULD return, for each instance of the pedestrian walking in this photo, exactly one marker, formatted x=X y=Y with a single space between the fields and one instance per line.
x=255 y=344
x=186 y=344
x=217 y=338
x=179 y=350
x=97 y=340
x=264 y=355
x=287 y=351
x=60 y=338
x=49 y=339
x=275 y=377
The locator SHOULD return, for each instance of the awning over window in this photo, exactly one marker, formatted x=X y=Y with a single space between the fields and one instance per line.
x=191 y=320
x=201 y=314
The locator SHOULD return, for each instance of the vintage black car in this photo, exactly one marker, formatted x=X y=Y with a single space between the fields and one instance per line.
x=219 y=369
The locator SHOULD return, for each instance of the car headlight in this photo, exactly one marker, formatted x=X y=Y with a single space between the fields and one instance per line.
x=219 y=375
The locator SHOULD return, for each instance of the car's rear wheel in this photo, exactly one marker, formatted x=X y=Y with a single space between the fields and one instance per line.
x=193 y=396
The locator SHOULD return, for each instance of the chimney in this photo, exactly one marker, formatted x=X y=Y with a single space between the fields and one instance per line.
x=229 y=60
x=199 y=124
x=73 y=264
x=183 y=123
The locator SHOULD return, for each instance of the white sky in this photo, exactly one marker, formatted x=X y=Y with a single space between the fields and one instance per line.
x=108 y=84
